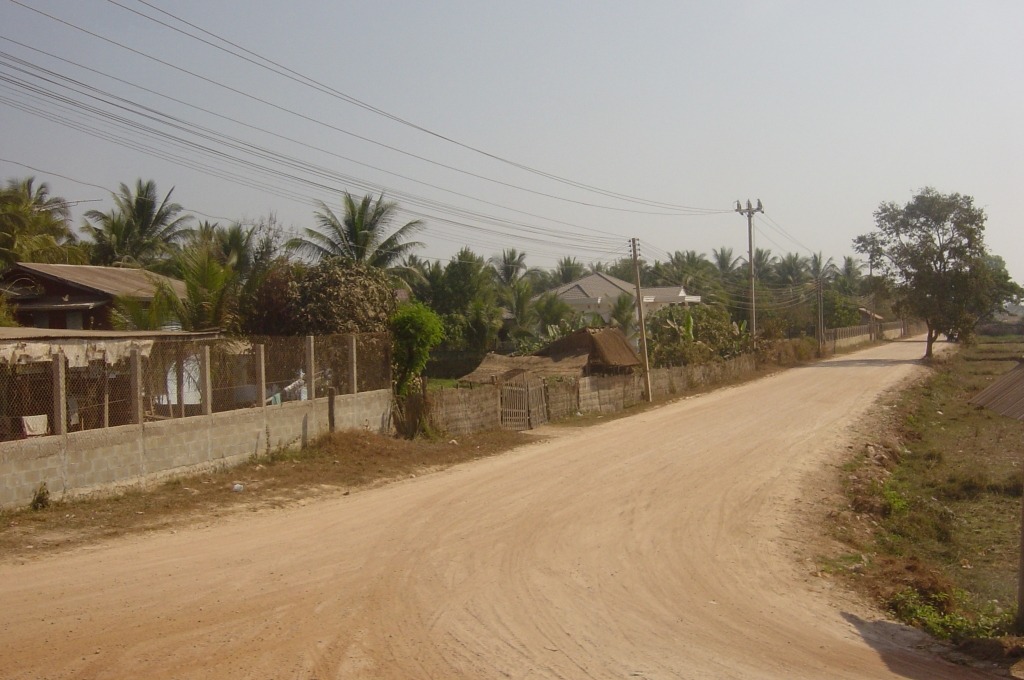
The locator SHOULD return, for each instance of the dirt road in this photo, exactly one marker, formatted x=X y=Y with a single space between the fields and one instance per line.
x=656 y=546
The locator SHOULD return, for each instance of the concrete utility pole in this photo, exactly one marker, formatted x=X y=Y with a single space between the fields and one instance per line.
x=635 y=247
x=821 y=315
x=749 y=212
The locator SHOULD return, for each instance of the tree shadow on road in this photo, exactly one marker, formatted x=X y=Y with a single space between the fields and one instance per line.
x=894 y=642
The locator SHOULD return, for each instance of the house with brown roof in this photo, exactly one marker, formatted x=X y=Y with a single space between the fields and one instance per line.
x=596 y=294
x=75 y=297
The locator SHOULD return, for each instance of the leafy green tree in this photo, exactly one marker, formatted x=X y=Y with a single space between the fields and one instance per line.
x=415 y=330
x=839 y=311
x=363 y=234
x=140 y=230
x=932 y=251
x=681 y=335
x=34 y=225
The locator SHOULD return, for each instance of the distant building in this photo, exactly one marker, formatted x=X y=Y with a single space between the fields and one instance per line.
x=75 y=297
x=597 y=293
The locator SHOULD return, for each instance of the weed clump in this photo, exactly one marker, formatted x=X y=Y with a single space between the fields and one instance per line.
x=41 y=498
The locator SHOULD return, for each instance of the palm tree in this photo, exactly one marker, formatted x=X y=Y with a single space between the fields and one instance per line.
x=361 y=235
x=849 y=276
x=724 y=261
x=518 y=299
x=34 y=225
x=139 y=231
x=764 y=263
x=509 y=267
x=551 y=310
x=792 y=269
x=623 y=314
x=820 y=268
x=567 y=270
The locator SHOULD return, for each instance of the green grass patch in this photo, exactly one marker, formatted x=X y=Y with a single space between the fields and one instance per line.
x=937 y=500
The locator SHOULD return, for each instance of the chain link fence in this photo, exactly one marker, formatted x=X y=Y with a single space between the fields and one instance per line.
x=175 y=374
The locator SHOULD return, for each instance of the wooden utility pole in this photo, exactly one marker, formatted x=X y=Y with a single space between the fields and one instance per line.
x=749 y=212
x=635 y=247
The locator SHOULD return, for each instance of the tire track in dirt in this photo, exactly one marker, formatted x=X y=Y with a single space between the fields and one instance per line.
x=654 y=546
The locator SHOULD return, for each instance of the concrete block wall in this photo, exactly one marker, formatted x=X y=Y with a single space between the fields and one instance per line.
x=462 y=411
x=86 y=462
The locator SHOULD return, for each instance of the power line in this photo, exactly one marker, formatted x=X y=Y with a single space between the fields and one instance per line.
x=274 y=134
x=242 y=93
x=291 y=162
x=302 y=79
x=90 y=184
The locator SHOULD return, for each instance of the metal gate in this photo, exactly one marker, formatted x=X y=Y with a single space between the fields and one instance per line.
x=523 y=403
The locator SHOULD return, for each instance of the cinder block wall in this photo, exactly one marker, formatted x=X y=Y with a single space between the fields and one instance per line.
x=462 y=411
x=97 y=460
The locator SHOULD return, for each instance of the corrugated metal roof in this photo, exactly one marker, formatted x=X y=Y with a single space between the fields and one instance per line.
x=1006 y=395
x=114 y=281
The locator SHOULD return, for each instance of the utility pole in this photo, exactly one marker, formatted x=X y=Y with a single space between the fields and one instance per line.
x=821 y=315
x=871 y=320
x=635 y=247
x=749 y=212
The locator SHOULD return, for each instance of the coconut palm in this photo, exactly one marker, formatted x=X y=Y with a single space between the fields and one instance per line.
x=820 y=268
x=509 y=267
x=849 y=275
x=567 y=270
x=34 y=225
x=792 y=269
x=764 y=263
x=623 y=314
x=363 y=234
x=518 y=300
x=139 y=231
x=724 y=261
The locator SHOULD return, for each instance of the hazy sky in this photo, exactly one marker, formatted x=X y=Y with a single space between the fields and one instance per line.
x=822 y=110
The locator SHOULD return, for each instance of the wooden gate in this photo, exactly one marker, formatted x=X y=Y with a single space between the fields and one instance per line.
x=523 y=403
x=536 y=402
x=515 y=401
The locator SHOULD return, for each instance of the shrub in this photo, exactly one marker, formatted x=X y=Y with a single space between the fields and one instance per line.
x=415 y=330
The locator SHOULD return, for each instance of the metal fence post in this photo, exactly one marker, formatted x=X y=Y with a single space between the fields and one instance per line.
x=60 y=401
x=136 y=387
x=205 y=385
x=353 y=363
x=261 y=375
x=310 y=369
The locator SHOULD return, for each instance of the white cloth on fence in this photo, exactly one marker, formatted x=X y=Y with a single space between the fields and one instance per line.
x=35 y=426
x=78 y=352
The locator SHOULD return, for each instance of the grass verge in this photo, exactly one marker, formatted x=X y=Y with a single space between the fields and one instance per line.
x=333 y=464
x=932 y=520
